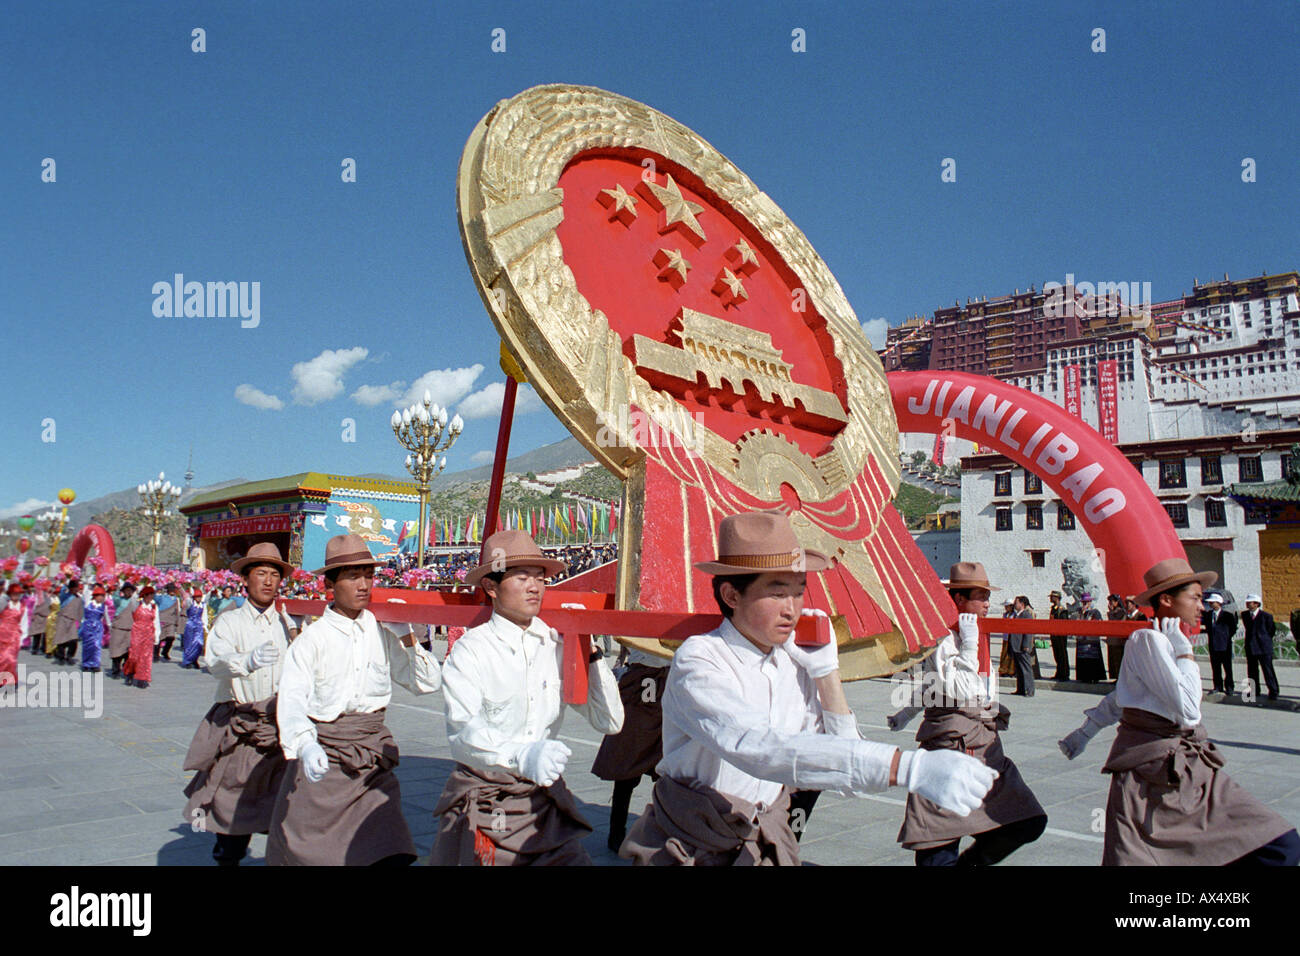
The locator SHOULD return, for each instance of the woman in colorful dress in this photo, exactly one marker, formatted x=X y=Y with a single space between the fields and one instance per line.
x=195 y=633
x=145 y=632
x=13 y=624
x=93 y=630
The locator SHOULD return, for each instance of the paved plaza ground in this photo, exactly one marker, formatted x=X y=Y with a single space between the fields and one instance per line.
x=107 y=790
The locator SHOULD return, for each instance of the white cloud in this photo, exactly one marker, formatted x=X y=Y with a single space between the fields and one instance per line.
x=32 y=505
x=876 y=330
x=445 y=386
x=321 y=378
x=372 y=395
x=257 y=398
x=482 y=457
x=486 y=402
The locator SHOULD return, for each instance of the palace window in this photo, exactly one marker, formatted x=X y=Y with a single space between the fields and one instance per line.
x=1177 y=514
x=1002 y=483
x=1249 y=468
x=1034 y=484
x=1173 y=473
x=1211 y=470
x=1216 y=515
x=1034 y=517
x=1003 y=518
x=1064 y=517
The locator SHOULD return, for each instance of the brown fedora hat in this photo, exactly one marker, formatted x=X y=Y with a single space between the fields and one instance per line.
x=264 y=552
x=346 y=551
x=1170 y=573
x=968 y=574
x=511 y=549
x=759 y=541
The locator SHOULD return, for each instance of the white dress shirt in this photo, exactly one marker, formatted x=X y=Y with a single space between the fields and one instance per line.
x=746 y=723
x=340 y=665
x=233 y=636
x=953 y=671
x=503 y=688
x=1151 y=678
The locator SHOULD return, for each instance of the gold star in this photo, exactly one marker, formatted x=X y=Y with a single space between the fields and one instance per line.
x=729 y=288
x=621 y=206
x=679 y=212
x=672 y=267
x=742 y=258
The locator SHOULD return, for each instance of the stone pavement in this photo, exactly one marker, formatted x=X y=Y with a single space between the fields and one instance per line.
x=107 y=790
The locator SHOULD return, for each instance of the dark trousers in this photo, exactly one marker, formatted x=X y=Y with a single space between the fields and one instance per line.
x=1061 y=654
x=1024 y=672
x=1221 y=671
x=66 y=652
x=1254 y=665
x=989 y=847
x=801 y=808
x=1284 y=851
x=230 y=849
x=165 y=647
x=1114 y=657
x=117 y=664
x=618 y=808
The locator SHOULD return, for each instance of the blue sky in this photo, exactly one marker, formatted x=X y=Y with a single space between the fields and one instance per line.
x=225 y=166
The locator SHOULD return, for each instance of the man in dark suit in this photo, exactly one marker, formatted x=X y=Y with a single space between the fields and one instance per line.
x=1259 y=645
x=1060 y=642
x=1022 y=646
x=1220 y=628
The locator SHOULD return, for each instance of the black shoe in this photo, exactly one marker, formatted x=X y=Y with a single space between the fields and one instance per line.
x=142 y=684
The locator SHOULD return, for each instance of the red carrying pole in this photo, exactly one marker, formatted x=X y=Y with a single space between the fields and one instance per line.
x=499 y=462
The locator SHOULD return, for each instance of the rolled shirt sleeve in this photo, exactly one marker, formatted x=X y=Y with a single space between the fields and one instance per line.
x=708 y=708
x=604 y=706
x=296 y=728
x=414 y=668
x=222 y=656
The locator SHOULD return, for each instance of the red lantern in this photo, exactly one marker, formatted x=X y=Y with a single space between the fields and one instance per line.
x=24 y=544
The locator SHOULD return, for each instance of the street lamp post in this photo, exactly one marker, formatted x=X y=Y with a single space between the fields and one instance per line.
x=419 y=428
x=156 y=495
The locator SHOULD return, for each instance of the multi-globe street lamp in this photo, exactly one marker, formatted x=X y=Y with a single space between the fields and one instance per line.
x=156 y=496
x=419 y=428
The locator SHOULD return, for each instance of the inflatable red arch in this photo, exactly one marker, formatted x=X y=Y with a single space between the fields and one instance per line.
x=1112 y=502
x=92 y=536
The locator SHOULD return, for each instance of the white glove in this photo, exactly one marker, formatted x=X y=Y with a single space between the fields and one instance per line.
x=818 y=661
x=901 y=719
x=968 y=628
x=1171 y=627
x=1076 y=740
x=544 y=761
x=262 y=655
x=315 y=764
x=289 y=624
x=953 y=780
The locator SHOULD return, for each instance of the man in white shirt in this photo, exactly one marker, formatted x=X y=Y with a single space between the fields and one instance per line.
x=506 y=803
x=748 y=715
x=236 y=750
x=1171 y=803
x=340 y=803
x=960 y=715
